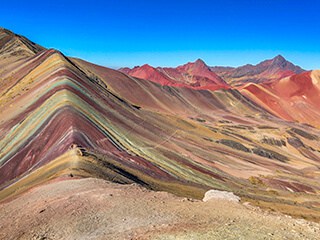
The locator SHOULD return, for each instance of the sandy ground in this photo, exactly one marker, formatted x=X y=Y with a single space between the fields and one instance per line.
x=96 y=209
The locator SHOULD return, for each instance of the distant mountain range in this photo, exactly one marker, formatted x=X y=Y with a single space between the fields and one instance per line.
x=198 y=75
x=195 y=75
x=252 y=130
x=276 y=84
x=272 y=69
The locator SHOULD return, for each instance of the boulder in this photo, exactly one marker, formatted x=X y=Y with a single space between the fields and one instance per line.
x=223 y=195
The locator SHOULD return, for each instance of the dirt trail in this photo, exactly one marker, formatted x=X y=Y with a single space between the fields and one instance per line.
x=96 y=209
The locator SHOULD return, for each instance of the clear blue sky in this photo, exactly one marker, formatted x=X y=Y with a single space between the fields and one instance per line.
x=120 y=33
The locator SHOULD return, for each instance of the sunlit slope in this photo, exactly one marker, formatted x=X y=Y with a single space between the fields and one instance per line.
x=294 y=98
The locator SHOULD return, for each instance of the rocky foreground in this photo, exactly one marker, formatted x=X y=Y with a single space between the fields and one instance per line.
x=96 y=209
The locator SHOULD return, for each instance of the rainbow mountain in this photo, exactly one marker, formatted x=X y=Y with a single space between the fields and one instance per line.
x=183 y=130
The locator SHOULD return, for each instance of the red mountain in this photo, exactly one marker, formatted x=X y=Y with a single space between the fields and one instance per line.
x=294 y=98
x=196 y=75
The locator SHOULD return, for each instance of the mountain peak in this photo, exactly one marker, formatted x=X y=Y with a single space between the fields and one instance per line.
x=279 y=57
x=6 y=31
x=146 y=66
x=279 y=60
x=282 y=63
x=16 y=45
x=200 y=61
x=198 y=64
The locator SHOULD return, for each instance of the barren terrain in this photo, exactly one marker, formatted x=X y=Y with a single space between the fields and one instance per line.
x=97 y=209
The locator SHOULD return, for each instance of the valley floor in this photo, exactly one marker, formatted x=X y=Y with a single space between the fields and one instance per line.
x=97 y=209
